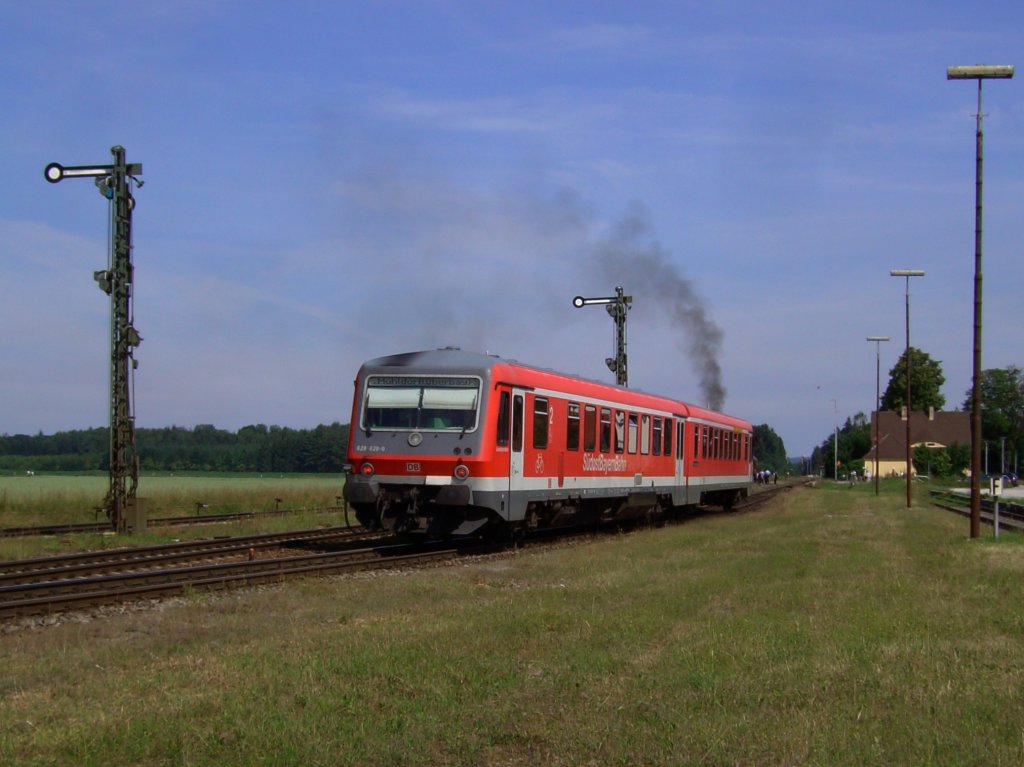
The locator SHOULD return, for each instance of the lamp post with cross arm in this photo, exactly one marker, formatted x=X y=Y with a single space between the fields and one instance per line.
x=977 y=72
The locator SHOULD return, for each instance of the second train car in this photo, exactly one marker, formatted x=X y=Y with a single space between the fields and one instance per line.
x=448 y=442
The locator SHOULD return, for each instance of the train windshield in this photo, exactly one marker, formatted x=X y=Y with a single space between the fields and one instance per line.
x=427 y=403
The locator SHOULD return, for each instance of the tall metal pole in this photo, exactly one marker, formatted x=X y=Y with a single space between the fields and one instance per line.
x=116 y=281
x=878 y=395
x=908 y=273
x=835 y=440
x=975 y=527
x=979 y=72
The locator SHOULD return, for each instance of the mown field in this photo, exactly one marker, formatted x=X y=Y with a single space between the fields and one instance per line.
x=832 y=628
x=49 y=499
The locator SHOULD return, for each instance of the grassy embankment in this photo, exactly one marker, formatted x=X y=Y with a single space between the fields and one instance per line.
x=832 y=628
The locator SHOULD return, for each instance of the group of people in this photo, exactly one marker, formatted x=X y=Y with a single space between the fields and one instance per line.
x=767 y=477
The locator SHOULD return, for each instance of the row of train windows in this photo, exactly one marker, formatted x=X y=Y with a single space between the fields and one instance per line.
x=715 y=443
x=602 y=429
x=605 y=430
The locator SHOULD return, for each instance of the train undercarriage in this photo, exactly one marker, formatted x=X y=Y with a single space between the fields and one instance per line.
x=440 y=513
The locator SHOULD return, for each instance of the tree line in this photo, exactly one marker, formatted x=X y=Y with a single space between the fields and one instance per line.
x=256 y=448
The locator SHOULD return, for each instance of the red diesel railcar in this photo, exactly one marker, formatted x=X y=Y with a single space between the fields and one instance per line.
x=446 y=441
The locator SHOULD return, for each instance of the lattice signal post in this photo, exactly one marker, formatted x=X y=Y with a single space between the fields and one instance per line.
x=121 y=503
x=617 y=307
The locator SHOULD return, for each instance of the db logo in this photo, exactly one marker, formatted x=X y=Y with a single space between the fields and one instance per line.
x=412 y=467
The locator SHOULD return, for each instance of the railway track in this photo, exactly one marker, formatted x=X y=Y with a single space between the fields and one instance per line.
x=761 y=495
x=54 y=584
x=62 y=591
x=193 y=519
x=140 y=557
x=1011 y=515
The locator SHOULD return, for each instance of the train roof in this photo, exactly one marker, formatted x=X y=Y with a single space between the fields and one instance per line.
x=447 y=358
x=454 y=359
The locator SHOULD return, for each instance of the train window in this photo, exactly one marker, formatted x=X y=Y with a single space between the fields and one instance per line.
x=645 y=434
x=606 y=430
x=718 y=443
x=589 y=428
x=572 y=427
x=427 y=403
x=656 y=442
x=620 y=431
x=540 y=422
x=696 y=440
x=668 y=438
x=517 y=423
x=704 y=435
x=503 y=413
x=632 y=432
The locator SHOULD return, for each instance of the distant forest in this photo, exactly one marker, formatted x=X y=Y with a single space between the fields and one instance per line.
x=256 y=448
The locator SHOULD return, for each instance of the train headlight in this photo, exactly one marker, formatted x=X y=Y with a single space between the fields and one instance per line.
x=367 y=470
x=461 y=472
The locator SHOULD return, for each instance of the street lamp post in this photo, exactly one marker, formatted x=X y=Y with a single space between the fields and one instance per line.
x=878 y=397
x=979 y=72
x=908 y=273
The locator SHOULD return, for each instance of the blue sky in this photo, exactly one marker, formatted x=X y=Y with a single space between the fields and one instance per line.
x=327 y=182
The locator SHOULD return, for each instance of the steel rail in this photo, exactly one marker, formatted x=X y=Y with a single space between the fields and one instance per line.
x=62 y=593
x=1011 y=516
x=72 y=528
x=183 y=550
x=56 y=596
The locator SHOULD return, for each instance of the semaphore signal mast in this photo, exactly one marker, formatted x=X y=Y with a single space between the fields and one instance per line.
x=123 y=507
x=617 y=307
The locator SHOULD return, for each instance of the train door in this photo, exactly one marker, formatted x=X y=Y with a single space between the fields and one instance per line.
x=679 y=495
x=516 y=481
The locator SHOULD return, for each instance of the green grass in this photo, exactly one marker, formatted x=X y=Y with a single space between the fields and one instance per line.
x=56 y=498
x=833 y=628
x=47 y=499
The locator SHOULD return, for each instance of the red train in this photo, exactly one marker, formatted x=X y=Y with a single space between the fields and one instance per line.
x=445 y=442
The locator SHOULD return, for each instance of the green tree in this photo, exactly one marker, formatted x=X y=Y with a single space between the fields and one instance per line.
x=932 y=461
x=926 y=380
x=854 y=443
x=769 y=450
x=1002 y=406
